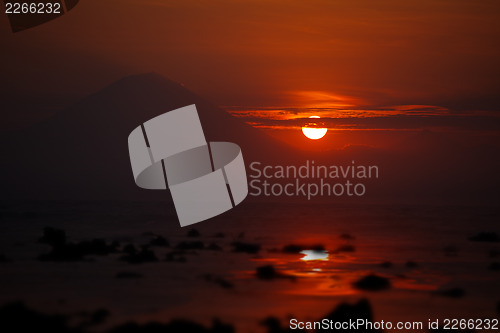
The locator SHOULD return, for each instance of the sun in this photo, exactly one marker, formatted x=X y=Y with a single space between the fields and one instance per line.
x=314 y=133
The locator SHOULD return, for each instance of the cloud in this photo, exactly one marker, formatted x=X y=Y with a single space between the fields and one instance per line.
x=415 y=119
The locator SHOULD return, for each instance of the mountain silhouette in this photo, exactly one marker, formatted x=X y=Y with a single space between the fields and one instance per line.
x=82 y=152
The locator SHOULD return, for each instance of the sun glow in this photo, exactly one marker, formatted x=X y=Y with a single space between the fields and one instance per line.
x=314 y=133
x=314 y=255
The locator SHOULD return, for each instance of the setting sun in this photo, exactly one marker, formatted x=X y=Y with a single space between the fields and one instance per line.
x=314 y=133
x=314 y=255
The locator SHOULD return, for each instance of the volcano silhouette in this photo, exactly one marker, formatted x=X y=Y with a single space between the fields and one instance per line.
x=82 y=153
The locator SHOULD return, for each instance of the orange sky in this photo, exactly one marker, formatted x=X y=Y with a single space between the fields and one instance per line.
x=250 y=55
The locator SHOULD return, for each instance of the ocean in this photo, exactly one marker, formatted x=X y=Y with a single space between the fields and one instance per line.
x=262 y=259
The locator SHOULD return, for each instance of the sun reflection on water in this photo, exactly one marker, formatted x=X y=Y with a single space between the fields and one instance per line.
x=318 y=272
x=314 y=255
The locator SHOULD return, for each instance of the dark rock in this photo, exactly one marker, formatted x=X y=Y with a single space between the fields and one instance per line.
x=489 y=237
x=220 y=327
x=94 y=318
x=53 y=236
x=451 y=293
x=96 y=247
x=77 y=252
x=245 y=247
x=193 y=233
x=16 y=317
x=219 y=281
x=98 y=317
x=495 y=266
x=143 y=256
x=346 y=312
x=386 y=264
x=273 y=325
x=220 y=235
x=66 y=252
x=159 y=241
x=175 y=256
x=268 y=272
x=224 y=283
x=196 y=245
x=174 y=326
x=372 y=282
